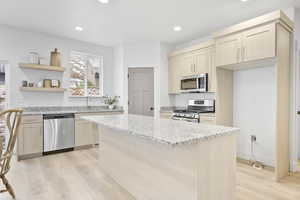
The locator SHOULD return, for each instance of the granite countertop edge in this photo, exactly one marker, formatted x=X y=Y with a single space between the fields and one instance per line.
x=233 y=131
x=195 y=140
x=98 y=110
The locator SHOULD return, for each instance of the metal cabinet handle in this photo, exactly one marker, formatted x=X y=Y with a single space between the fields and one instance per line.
x=238 y=54
x=243 y=53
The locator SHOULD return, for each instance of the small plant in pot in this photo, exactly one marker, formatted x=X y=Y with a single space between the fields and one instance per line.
x=110 y=101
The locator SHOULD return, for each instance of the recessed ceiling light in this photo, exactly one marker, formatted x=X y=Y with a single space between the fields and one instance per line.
x=244 y=0
x=78 y=28
x=177 y=28
x=104 y=1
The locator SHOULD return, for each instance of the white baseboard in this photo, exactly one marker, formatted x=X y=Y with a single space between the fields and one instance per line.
x=264 y=160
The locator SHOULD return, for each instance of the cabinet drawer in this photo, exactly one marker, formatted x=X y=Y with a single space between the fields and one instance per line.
x=166 y=115
x=207 y=120
x=32 y=119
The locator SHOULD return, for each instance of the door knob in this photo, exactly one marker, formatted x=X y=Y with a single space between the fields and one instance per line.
x=298 y=112
x=151 y=108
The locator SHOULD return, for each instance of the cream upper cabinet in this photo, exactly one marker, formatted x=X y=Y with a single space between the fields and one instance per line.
x=208 y=120
x=250 y=45
x=189 y=67
x=228 y=50
x=202 y=61
x=191 y=63
x=175 y=73
x=212 y=74
x=259 y=43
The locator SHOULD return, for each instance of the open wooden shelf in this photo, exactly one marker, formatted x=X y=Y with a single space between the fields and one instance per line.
x=42 y=67
x=36 y=89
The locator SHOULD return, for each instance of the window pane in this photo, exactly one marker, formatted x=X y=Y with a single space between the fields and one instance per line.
x=93 y=76
x=85 y=74
x=77 y=85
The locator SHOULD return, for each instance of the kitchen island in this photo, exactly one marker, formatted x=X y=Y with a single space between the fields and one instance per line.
x=162 y=159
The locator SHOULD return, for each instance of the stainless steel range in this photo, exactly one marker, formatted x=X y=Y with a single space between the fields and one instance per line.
x=194 y=109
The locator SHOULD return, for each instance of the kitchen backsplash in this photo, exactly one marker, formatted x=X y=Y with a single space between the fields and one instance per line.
x=181 y=100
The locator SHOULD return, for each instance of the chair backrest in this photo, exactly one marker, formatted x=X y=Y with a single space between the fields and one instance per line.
x=13 y=120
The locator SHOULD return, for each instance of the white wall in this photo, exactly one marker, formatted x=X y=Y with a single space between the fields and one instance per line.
x=119 y=77
x=146 y=54
x=165 y=99
x=297 y=65
x=15 y=46
x=255 y=112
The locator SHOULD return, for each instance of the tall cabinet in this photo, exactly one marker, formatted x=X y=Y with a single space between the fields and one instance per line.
x=266 y=39
x=249 y=45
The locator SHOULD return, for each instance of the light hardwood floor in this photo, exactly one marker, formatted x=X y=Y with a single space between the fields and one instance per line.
x=78 y=176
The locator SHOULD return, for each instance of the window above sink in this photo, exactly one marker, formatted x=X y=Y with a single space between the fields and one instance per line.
x=86 y=75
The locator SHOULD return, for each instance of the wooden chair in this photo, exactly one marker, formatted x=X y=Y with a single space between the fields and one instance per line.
x=13 y=119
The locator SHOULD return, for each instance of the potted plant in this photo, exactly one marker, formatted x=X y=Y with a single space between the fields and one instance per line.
x=110 y=101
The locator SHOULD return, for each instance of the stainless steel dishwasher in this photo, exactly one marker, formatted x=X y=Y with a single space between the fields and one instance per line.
x=59 y=132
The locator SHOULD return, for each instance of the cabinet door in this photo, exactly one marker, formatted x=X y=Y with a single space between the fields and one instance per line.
x=202 y=61
x=212 y=74
x=84 y=133
x=188 y=67
x=228 y=50
x=32 y=136
x=207 y=120
x=259 y=43
x=175 y=70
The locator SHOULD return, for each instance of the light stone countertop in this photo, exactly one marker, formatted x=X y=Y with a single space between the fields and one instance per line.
x=167 y=131
x=68 y=109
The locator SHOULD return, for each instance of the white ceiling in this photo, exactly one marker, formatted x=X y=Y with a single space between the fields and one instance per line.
x=126 y=21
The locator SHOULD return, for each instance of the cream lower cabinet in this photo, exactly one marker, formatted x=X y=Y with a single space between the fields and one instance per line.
x=30 y=138
x=250 y=45
x=166 y=115
x=208 y=120
x=212 y=74
x=85 y=133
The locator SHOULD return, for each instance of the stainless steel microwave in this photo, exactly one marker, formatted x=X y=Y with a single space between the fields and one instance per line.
x=196 y=83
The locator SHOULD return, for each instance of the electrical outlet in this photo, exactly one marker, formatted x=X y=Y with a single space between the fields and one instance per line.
x=253 y=138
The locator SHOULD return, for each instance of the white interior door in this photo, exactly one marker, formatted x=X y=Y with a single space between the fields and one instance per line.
x=141 y=91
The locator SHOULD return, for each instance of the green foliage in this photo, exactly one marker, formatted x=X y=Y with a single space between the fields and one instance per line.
x=111 y=100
